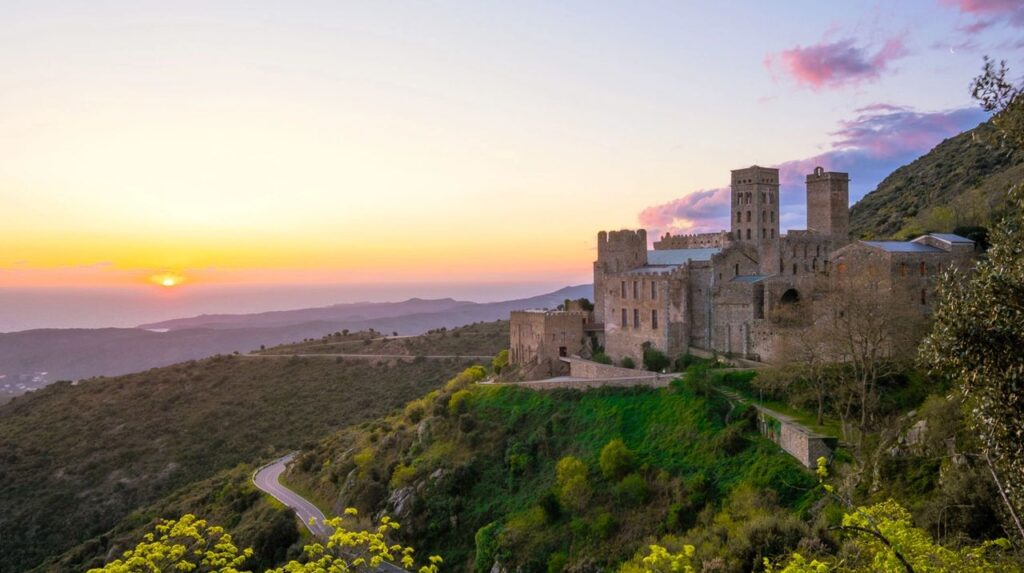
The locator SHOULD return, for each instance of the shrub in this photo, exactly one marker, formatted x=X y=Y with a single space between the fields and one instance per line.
x=633 y=488
x=655 y=360
x=571 y=480
x=616 y=460
x=486 y=546
x=557 y=562
x=605 y=525
x=467 y=423
x=500 y=361
x=457 y=403
x=682 y=362
x=552 y=509
x=602 y=358
x=402 y=476
x=628 y=362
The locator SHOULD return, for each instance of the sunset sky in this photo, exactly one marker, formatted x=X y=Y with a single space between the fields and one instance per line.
x=381 y=142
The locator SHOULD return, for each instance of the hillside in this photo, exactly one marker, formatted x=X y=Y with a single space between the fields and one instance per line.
x=104 y=447
x=961 y=182
x=479 y=339
x=469 y=472
x=71 y=354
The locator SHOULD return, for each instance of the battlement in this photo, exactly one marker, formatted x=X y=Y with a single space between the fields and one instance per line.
x=625 y=239
x=693 y=241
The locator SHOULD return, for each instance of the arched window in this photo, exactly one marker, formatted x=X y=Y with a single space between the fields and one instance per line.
x=748 y=234
x=739 y=217
x=773 y=216
x=748 y=216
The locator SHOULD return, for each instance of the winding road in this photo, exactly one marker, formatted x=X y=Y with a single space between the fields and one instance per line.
x=267 y=479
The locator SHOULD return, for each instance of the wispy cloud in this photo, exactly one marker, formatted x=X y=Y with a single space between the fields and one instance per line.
x=988 y=12
x=831 y=65
x=878 y=139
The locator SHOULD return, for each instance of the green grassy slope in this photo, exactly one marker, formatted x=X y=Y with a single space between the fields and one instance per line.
x=961 y=182
x=475 y=472
x=76 y=459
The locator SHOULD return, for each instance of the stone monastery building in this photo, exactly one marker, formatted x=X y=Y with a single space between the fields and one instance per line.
x=725 y=291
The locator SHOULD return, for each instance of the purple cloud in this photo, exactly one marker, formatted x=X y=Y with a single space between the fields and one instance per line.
x=879 y=139
x=836 y=64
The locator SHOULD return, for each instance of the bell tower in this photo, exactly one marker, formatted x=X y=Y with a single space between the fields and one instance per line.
x=828 y=203
x=755 y=205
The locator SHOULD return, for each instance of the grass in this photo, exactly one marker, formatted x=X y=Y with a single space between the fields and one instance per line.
x=501 y=452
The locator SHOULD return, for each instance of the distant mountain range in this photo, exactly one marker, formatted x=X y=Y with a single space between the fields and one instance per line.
x=71 y=354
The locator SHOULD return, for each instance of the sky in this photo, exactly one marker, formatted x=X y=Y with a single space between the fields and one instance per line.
x=284 y=144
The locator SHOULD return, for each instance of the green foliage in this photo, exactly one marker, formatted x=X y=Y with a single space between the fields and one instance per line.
x=571 y=482
x=616 y=460
x=655 y=360
x=633 y=489
x=500 y=361
x=602 y=358
x=628 y=362
x=457 y=403
x=486 y=546
x=557 y=562
x=605 y=525
x=976 y=341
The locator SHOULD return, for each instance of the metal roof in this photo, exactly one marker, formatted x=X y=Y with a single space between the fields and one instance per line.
x=679 y=256
x=903 y=247
x=653 y=269
x=749 y=278
x=951 y=238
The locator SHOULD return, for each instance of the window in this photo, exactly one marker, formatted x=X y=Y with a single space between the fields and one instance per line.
x=636 y=290
x=623 y=289
x=654 y=319
x=748 y=234
x=739 y=217
x=748 y=216
x=924 y=296
x=773 y=216
x=764 y=233
x=763 y=218
x=794 y=268
x=624 y=323
x=781 y=268
x=922 y=268
x=736 y=272
x=654 y=290
x=636 y=318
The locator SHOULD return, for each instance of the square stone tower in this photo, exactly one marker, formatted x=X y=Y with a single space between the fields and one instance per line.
x=617 y=252
x=828 y=203
x=755 y=205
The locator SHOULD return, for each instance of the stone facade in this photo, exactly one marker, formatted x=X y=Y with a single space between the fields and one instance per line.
x=723 y=292
x=538 y=338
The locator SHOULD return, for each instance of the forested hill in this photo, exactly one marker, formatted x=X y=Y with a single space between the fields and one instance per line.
x=961 y=182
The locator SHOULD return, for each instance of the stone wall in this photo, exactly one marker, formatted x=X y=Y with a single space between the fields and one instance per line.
x=580 y=368
x=537 y=338
x=694 y=241
x=798 y=442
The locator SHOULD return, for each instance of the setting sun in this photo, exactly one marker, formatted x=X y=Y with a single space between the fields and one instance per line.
x=166 y=280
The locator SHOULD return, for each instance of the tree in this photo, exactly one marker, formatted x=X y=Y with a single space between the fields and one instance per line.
x=571 y=483
x=979 y=320
x=500 y=361
x=805 y=351
x=186 y=544
x=995 y=93
x=616 y=460
x=189 y=544
x=654 y=359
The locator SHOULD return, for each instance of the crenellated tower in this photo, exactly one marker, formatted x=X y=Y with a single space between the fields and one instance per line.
x=617 y=251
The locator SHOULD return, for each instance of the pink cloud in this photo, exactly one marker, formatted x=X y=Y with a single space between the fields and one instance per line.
x=696 y=212
x=835 y=64
x=1011 y=10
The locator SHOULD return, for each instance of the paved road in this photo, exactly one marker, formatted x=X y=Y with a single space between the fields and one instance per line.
x=372 y=356
x=266 y=478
